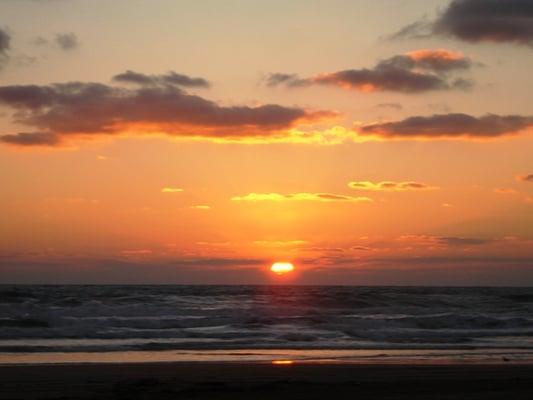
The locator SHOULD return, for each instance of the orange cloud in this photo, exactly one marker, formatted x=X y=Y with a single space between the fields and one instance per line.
x=171 y=190
x=439 y=58
x=201 y=207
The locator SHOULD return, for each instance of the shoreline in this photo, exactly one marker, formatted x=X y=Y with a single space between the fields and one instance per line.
x=266 y=356
x=238 y=380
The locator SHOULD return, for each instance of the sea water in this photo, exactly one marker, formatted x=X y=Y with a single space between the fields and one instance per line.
x=197 y=321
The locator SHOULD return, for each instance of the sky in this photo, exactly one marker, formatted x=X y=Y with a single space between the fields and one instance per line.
x=197 y=142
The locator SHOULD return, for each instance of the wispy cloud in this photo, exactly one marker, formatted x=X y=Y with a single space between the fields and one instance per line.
x=280 y=243
x=322 y=197
x=170 y=78
x=66 y=41
x=505 y=191
x=390 y=186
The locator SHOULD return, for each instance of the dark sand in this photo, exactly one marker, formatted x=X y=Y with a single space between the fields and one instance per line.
x=264 y=381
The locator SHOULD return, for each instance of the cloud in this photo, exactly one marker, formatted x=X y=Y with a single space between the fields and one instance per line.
x=488 y=20
x=171 y=190
x=5 y=46
x=448 y=241
x=218 y=262
x=319 y=249
x=360 y=248
x=458 y=261
x=136 y=266
x=5 y=41
x=137 y=252
x=413 y=72
x=394 y=106
x=323 y=197
x=390 y=186
x=461 y=241
x=497 y=21
x=450 y=126
x=66 y=41
x=505 y=191
x=526 y=178
x=32 y=139
x=416 y=30
x=290 y=80
x=280 y=243
x=61 y=111
x=170 y=78
x=201 y=207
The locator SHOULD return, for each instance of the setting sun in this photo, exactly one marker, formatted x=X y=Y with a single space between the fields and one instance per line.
x=281 y=268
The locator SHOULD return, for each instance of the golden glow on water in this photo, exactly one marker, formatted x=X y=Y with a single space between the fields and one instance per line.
x=282 y=362
x=281 y=268
x=279 y=357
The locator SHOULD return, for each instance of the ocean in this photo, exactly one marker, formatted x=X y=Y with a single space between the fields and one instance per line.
x=270 y=322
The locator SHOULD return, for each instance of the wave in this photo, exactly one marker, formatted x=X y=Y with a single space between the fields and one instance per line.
x=50 y=318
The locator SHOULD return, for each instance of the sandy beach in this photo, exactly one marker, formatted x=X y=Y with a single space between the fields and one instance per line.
x=265 y=381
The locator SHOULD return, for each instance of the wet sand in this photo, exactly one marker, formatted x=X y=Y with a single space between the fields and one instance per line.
x=265 y=381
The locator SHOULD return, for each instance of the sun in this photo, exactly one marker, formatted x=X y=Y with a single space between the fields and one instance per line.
x=282 y=267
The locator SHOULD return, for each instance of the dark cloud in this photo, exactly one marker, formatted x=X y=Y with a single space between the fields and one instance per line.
x=32 y=139
x=196 y=270
x=218 y=262
x=170 y=78
x=64 y=110
x=478 y=21
x=460 y=241
x=413 y=270
x=5 y=45
x=450 y=125
x=424 y=271
x=66 y=41
x=5 y=41
x=413 y=72
x=526 y=178
x=488 y=20
x=452 y=260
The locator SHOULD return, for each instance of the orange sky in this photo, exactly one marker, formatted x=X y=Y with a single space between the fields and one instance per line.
x=199 y=142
